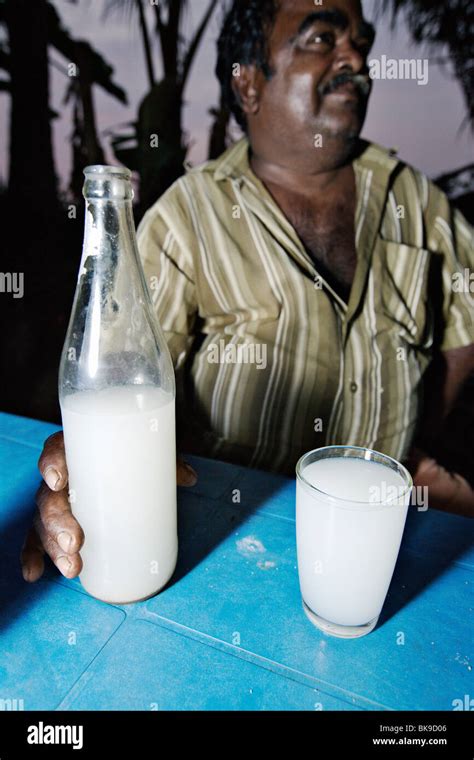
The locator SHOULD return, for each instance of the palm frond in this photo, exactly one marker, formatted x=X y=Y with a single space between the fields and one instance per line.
x=123 y=9
x=445 y=24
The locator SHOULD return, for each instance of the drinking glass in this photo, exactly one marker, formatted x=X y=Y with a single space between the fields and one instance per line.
x=351 y=507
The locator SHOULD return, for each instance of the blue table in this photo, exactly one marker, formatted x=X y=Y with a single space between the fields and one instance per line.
x=229 y=631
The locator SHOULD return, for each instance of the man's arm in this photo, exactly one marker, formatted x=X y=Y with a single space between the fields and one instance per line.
x=459 y=367
x=450 y=239
x=445 y=381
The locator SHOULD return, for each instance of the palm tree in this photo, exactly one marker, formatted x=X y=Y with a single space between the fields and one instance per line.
x=449 y=26
x=128 y=7
x=33 y=28
x=156 y=147
x=32 y=177
x=443 y=23
x=93 y=70
x=4 y=62
x=38 y=239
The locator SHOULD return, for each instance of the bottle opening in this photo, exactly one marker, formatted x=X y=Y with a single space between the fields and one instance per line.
x=108 y=183
x=115 y=171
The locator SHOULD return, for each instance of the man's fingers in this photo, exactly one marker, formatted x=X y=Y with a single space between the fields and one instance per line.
x=68 y=563
x=32 y=562
x=55 y=530
x=185 y=474
x=58 y=521
x=52 y=462
x=447 y=491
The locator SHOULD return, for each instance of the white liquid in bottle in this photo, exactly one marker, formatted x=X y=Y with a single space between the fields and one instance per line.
x=121 y=456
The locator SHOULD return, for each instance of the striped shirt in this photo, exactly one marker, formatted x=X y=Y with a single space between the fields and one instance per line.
x=270 y=361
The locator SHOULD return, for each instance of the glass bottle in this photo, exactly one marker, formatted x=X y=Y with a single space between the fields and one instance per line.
x=117 y=397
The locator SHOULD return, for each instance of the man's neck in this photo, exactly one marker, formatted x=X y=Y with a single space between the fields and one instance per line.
x=305 y=178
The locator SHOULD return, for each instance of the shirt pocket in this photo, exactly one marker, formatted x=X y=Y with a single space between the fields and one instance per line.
x=404 y=306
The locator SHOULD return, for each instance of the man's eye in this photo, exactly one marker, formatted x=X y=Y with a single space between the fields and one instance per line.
x=322 y=38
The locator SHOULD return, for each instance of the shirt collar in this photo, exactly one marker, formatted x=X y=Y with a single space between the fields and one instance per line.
x=234 y=162
x=373 y=168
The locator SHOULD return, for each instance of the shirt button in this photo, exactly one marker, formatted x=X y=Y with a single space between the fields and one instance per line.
x=354 y=387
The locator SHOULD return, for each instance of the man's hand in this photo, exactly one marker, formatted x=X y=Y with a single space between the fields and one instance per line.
x=447 y=491
x=55 y=531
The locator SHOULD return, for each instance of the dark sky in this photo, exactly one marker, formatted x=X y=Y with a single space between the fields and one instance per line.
x=421 y=121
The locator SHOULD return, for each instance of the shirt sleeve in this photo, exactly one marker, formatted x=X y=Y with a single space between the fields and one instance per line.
x=169 y=276
x=453 y=238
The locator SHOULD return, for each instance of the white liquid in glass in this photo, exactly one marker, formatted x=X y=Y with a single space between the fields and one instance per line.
x=347 y=551
x=121 y=456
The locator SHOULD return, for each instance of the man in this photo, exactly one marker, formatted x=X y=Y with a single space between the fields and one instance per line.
x=304 y=279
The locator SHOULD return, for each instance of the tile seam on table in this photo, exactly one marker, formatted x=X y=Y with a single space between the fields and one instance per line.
x=79 y=589
x=265 y=663
x=139 y=613
x=136 y=612
x=21 y=442
x=81 y=677
x=259 y=511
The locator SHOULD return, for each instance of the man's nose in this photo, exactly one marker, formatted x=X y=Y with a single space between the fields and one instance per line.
x=349 y=58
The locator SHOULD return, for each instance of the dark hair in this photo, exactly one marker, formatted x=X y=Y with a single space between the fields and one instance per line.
x=244 y=39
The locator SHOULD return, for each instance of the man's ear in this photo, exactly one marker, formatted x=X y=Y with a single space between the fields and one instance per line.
x=246 y=84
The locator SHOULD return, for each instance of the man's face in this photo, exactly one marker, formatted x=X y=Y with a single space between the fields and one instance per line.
x=314 y=53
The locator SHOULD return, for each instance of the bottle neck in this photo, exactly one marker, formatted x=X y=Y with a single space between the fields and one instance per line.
x=113 y=338
x=109 y=228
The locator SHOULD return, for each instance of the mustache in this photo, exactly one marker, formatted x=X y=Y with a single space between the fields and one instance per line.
x=361 y=81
